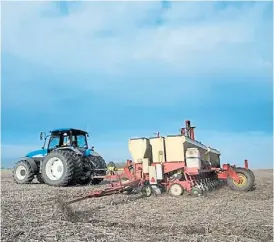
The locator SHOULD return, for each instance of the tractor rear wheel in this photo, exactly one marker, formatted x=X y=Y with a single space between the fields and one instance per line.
x=247 y=179
x=23 y=172
x=98 y=167
x=98 y=162
x=61 y=168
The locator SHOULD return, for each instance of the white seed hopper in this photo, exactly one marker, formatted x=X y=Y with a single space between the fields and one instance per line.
x=171 y=148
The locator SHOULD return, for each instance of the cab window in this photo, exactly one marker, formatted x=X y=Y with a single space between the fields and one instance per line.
x=81 y=141
x=54 y=142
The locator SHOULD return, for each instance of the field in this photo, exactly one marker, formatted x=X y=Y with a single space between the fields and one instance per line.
x=28 y=214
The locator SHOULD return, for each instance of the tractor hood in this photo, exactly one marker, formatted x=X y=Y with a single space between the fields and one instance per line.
x=43 y=152
x=37 y=153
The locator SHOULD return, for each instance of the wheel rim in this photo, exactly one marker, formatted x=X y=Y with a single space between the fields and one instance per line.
x=176 y=190
x=21 y=172
x=54 y=168
x=147 y=191
x=243 y=181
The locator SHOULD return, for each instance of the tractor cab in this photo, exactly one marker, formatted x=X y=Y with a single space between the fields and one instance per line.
x=66 y=138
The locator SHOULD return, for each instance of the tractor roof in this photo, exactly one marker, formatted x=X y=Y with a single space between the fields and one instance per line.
x=65 y=130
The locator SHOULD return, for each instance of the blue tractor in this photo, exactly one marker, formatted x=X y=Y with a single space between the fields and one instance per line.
x=65 y=159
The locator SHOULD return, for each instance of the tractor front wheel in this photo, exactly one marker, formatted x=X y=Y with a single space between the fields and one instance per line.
x=23 y=172
x=247 y=179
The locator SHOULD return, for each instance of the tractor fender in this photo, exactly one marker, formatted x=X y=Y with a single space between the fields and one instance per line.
x=90 y=152
x=32 y=163
x=72 y=149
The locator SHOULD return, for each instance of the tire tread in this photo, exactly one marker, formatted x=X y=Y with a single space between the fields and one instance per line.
x=30 y=172
x=70 y=168
x=250 y=180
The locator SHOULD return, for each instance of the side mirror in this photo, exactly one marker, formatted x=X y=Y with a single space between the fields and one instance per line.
x=41 y=136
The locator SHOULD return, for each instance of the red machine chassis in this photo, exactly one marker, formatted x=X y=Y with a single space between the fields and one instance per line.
x=134 y=171
x=136 y=178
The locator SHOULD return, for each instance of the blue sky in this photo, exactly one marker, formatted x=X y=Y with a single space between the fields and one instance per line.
x=129 y=69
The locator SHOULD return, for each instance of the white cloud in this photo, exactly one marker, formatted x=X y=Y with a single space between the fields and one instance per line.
x=224 y=39
x=195 y=43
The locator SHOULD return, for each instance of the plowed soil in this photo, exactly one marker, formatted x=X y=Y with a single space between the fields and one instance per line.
x=29 y=213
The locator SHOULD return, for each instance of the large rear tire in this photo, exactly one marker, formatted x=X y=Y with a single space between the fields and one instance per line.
x=98 y=162
x=247 y=180
x=23 y=172
x=61 y=168
x=98 y=167
x=78 y=167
